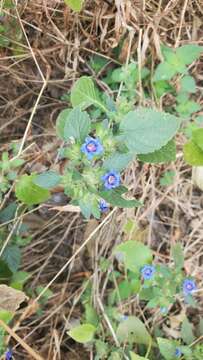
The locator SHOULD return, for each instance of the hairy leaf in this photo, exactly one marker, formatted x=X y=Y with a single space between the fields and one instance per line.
x=30 y=193
x=145 y=130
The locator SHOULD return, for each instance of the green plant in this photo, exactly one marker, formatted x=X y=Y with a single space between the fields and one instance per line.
x=159 y=286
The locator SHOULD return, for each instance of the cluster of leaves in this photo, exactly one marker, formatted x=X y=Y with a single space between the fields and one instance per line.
x=159 y=291
x=122 y=135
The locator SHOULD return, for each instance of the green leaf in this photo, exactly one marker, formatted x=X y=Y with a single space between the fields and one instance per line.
x=137 y=357
x=118 y=161
x=47 y=180
x=187 y=108
x=189 y=53
x=193 y=155
x=133 y=330
x=164 y=71
x=75 y=5
x=12 y=257
x=5 y=272
x=167 y=178
x=102 y=349
x=77 y=125
x=167 y=348
x=166 y=154
x=61 y=121
x=187 y=332
x=114 y=198
x=162 y=87
x=29 y=193
x=91 y=316
x=124 y=289
x=82 y=333
x=8 y=213
x=6 y=316
x=19 y=279
x=135 y=254
x=145 y=130
x=84 y=94
x=197 y=137
x=178 y=255
x=188 y=84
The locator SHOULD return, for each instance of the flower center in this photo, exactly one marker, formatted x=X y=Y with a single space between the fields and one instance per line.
x=91 y=147
x=189 y=286
x=111 y=179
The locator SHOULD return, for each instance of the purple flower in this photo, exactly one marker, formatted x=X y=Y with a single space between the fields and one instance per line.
x=8 y=355
x=178 y=353
x=189 y=286
x=92 y=147
x=148 y=272
x=111 y=180
x=103 y=206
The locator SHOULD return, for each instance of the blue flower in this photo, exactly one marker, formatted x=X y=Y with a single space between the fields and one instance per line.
x=92 y=147
x=111 y=180
x=178 y=353
x=124 y=317
x=148 y=272
x=8 y=355
x=189 y=286
x=103 y=206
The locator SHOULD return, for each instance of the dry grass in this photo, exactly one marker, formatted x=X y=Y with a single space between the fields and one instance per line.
x=54 y=50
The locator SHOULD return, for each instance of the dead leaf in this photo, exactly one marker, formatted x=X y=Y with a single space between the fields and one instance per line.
x=10 y=299
x=67 y=208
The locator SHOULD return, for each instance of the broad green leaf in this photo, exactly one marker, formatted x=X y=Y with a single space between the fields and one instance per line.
x=187 y=333
x=30 y=193
x=5 y=272
x=82 y=333
x=165 y=154
x=167 y=348
x=187 y=108
x=47 y=180
x=77 y=125
x=114 y=197
x=19 y=279
x=75 y=5
x=193 y=155
x=164 y=71
x=178 y=255
x=137 y=357
x=84 y=94
x=162 y=87
x=61 y=121
x=197 y=137
x=135 y=254
x=133 y=330
x=145 y=130
x=118 y=161
x=12 y=257
x=189 y=53
x=188 y=84
x=8 y=212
